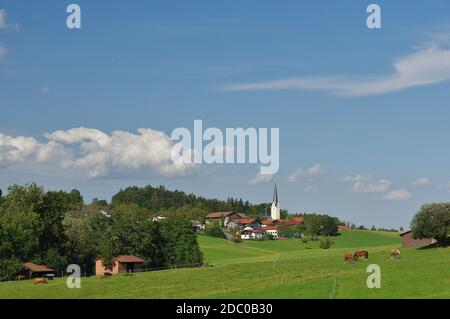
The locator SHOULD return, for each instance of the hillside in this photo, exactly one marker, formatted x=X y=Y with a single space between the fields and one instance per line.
x=272 y=269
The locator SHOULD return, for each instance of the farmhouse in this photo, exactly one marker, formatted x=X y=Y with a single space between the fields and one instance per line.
x=122 y=264
x=244 y=222
x=249 y=233
x=409 y=241
x=198 y=226
x=34 y=270
x=223 y=217
x=271 y=230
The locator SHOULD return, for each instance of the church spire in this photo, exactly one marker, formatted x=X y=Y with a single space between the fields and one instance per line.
x=275 y=195
x=275 y=210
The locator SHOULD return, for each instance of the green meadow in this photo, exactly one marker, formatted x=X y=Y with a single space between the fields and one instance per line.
x=273 y=269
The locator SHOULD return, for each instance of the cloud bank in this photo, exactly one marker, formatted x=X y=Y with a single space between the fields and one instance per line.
x=426 y=66
x=95 y=153
x=316 y=169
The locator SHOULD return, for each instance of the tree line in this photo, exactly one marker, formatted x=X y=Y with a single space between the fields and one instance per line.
x=159 y=200
x=58 y=229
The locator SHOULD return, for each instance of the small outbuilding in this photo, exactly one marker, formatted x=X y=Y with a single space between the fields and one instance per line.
x=34 y=270
x=409 y=241
x=122 y=264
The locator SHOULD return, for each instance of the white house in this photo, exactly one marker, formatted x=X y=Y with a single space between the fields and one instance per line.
x=271 y=230
x=249 y=233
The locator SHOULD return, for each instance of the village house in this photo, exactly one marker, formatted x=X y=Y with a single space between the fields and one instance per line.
x=244 y=222
x=409 y=241
x=222 y=218
x=297 y=220
x=249 y=233
x=271 y=231
x=198 y=226
x=122 y=264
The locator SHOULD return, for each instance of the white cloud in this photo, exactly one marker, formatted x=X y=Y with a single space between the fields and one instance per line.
x=261 y=178
x=399 y=194
x=3 y=51
x=426 y=66
x=3 y=24
x=21 y=148
x=45 y=89
x=421 y=182
x=316 y=169
x=96 y=153
x=381 y=186
x=310 y=189
x=355 y=178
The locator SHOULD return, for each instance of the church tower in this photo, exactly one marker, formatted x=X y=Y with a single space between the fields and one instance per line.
x=275 y=211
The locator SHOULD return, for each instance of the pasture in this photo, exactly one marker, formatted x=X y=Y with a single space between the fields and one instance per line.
x=272 y=269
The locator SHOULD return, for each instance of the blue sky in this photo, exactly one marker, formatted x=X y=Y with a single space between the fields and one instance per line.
x=363 y=114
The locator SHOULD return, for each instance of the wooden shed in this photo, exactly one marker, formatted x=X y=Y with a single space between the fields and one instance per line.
x=34 y=270
x=409 y=241
x=122 y=264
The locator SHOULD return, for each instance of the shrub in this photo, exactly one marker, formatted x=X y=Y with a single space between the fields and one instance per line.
x=326 y=243
x=214 y=231
x=237 y=240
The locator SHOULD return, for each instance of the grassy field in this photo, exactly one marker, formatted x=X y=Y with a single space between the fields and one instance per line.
x=272 y=269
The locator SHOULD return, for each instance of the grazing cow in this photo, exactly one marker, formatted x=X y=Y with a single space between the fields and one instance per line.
x=395 y=254
x=349 y=258
x=361 y=253
x=20 y=277
x=40 y=281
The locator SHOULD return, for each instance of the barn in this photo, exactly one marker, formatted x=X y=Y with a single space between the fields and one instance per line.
x=34 y=270
x=122 y=264
x=409 y=241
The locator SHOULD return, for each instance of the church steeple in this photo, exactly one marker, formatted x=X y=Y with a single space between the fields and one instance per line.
x=275 y=195
x=275 y=210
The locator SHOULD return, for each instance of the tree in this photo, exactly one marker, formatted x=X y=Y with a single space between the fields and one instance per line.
x=108 y=252
x=9 y=268
x=20 y=225
x=181 y=246
x=321 y=225
x=401 y=228
x=84 y=232
x=373 y=228
x=52 y=210
x=432 y=221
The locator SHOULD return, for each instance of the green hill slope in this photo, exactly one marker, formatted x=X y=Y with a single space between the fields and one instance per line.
x=272 y=269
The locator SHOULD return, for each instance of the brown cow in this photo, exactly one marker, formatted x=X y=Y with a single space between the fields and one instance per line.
x=349 y=258
x=40 y=281
x=395 y=254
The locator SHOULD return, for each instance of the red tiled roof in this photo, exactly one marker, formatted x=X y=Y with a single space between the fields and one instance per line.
x=218 y=214
x=267 y=222
x=224 y=214
x=271 y=228
x=129 y=259
x=244 y=221
x=37 y=268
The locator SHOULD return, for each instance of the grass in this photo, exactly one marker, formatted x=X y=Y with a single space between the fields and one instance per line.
x=272 y=269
